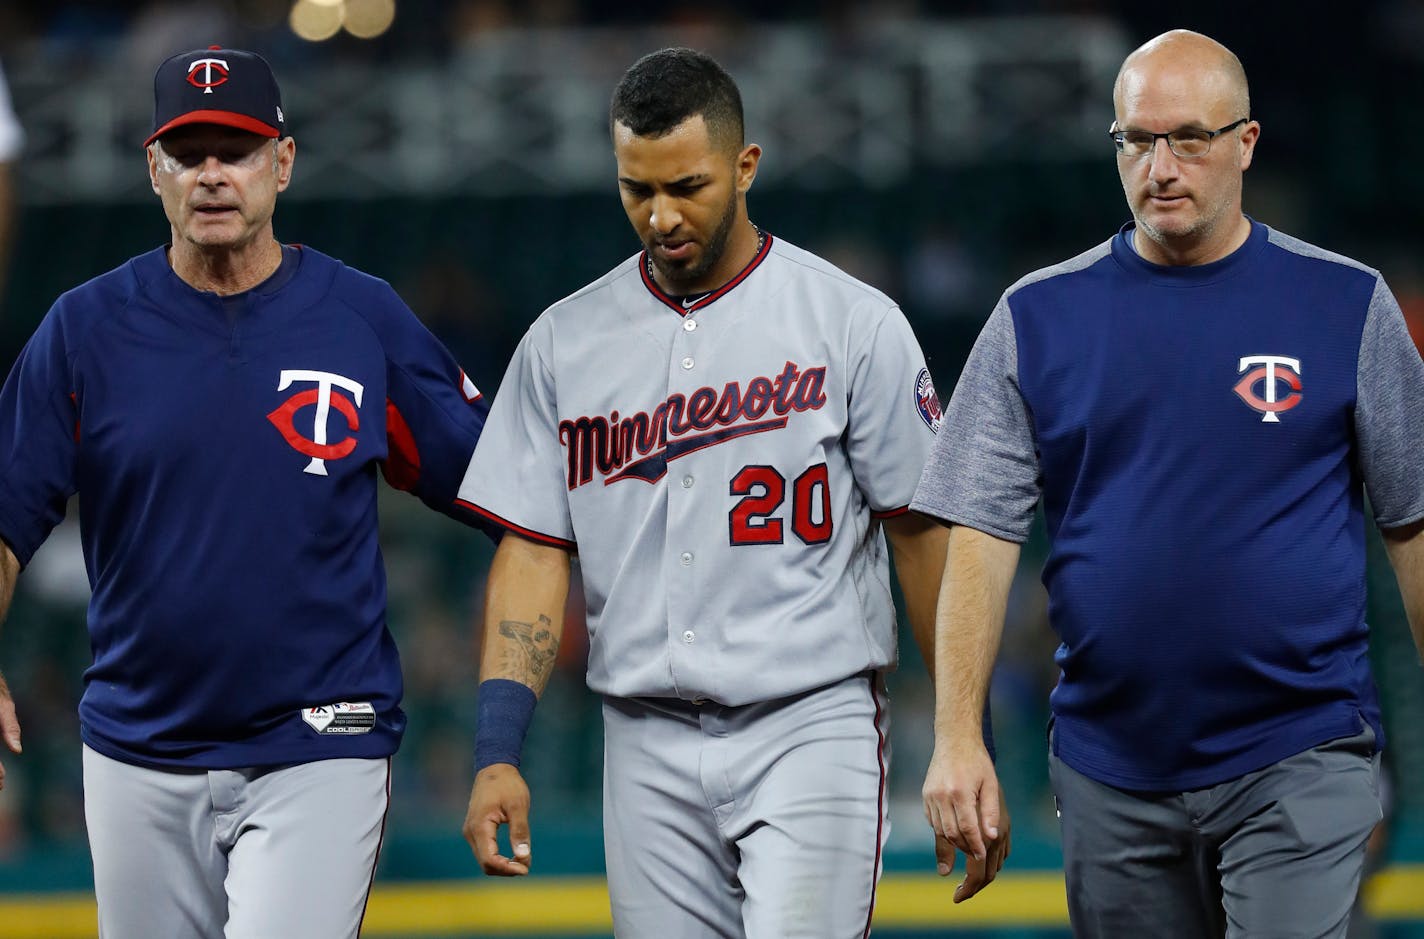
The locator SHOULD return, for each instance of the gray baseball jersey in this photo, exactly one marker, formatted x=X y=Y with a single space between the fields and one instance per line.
x=719 y=464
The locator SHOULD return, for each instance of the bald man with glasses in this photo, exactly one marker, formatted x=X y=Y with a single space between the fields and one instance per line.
x=1200 y=404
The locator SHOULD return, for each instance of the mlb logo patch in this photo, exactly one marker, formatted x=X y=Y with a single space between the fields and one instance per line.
x=927 y=401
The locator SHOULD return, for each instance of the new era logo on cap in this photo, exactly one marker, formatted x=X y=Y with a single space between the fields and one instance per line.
x=217 y=86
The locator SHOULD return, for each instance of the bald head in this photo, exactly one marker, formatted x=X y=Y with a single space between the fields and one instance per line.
x=1182 y=62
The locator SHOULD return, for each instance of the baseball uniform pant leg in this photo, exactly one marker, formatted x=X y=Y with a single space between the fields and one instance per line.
x=1294 y=841
x=158 y=867
x=809 y=818
x=1134 y=863
x=671 y=874
x=1279 y=852
x=304 y=844
x=759 y=822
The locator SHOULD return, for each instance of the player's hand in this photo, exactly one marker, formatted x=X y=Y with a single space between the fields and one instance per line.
x=963 y=805
x=979 y=874
x=499 y=797
x=9 y=724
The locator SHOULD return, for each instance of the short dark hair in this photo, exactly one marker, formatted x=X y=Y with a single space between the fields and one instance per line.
x=665 y=88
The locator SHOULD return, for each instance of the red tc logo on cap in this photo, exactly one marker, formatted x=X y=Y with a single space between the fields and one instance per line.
x=207 y=74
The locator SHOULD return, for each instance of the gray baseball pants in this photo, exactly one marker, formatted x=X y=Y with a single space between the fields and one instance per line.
x=758 y=822
x=1275 y=854
x=283 y=852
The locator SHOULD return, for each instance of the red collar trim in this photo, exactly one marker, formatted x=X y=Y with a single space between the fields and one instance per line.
x=676 y=305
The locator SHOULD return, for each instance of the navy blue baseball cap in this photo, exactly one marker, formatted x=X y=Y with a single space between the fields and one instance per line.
x=217 y=86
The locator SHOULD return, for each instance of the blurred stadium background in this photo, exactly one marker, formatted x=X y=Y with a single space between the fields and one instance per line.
x=459 y=150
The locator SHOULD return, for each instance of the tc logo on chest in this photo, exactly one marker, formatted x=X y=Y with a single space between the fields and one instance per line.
x=324 y=397
x=1270 y=374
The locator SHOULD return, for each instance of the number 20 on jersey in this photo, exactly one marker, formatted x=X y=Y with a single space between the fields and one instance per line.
x=754 y=519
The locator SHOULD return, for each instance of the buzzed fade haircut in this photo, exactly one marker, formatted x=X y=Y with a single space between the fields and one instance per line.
x=665 y=88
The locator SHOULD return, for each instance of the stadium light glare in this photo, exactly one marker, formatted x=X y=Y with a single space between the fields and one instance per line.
x=317 y=20
x=367 y=19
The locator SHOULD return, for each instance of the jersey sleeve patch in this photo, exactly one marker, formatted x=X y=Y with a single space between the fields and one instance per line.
x=927 y=401
x=468 y=389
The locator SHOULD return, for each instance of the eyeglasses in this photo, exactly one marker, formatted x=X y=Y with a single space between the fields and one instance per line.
x=1184 y=141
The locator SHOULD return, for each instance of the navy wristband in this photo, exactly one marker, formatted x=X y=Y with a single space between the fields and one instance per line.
x=501 y=721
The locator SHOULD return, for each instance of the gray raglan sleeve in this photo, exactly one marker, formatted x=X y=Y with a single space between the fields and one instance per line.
x=982 y=471
x=1389 y=414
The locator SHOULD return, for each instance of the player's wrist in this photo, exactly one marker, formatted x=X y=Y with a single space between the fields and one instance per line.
x=502 y=720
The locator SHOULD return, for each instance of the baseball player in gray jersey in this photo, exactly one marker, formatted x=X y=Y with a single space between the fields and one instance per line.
x=724 y=428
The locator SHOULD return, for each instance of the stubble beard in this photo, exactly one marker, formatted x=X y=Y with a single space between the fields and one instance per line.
x=711 y=255
x=1178 y=232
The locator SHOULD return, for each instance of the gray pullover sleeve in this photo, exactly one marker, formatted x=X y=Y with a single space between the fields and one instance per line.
x=982 y=471
x=1389 y=414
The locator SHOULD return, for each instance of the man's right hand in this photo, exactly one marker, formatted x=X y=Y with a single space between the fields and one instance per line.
x=9 y=724
x=964 y=806
x=499 y=797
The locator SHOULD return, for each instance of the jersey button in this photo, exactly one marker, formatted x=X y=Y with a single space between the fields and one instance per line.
x=687 y=482
x=688 y=635
x=687 y=362
x=686 y=558
x=689 y=325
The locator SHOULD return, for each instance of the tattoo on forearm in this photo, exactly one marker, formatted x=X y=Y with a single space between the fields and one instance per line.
x=530 y=658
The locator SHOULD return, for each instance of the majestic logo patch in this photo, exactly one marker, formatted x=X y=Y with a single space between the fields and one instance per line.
x=207 y=74
x=346 y=717
x=1271 y=370
x=324 y=398
x=641 y=446
x=927 y=401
